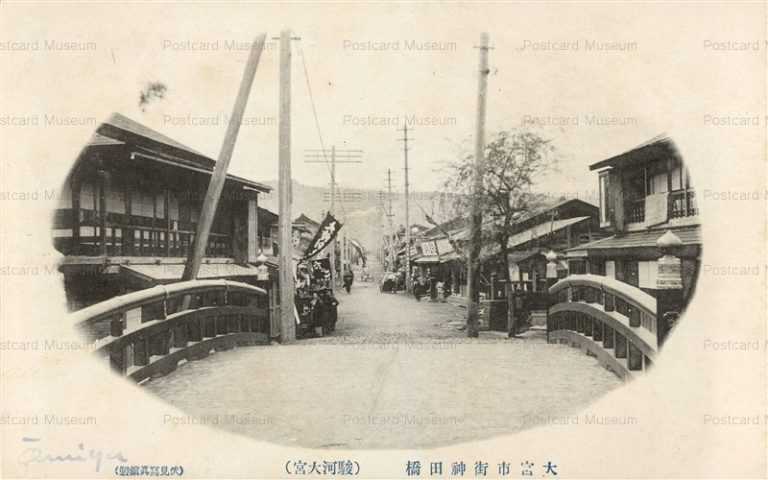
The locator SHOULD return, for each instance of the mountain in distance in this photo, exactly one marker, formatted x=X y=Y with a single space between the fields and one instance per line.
x=362 y=211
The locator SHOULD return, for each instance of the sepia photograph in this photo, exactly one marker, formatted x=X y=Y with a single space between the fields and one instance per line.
x=384 y=240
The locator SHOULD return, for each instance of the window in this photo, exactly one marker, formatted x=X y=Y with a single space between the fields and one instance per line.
x=88 y=196
x=142 y=204
x=658 y=183
x=160 y=205
x=173 y=207
x=647 y=274
x=115 y=200
x=677 y=178
x=603 y=188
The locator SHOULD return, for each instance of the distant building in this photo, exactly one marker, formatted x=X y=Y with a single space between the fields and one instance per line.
x=129 y=212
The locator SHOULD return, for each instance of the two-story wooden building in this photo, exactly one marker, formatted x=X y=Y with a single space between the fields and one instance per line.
x=643 y=193
x=626 y=292
x=129 y=210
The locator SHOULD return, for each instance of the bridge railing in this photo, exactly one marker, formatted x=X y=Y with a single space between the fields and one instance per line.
x=613 y=315
x=180 y=321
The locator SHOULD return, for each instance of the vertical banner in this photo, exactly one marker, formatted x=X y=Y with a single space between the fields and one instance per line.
x=328 y=230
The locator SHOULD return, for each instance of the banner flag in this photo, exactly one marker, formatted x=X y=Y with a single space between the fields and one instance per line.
x=329 y=228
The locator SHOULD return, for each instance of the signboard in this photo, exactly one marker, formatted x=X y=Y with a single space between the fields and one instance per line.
x=444 y=246
x=429 y=249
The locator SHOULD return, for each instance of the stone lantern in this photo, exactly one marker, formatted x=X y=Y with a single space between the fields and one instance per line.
x=669 y=284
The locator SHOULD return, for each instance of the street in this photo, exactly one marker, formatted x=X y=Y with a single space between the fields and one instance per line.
x=396 y=373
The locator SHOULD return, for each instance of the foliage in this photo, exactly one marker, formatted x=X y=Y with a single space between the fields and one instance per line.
x=152 y=91
x=513 y=161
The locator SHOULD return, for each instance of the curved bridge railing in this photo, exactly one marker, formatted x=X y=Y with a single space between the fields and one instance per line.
x=609 y=319
x=147 y=333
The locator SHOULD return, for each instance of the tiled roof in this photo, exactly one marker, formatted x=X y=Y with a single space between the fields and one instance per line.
x=659 y=146
x=531 y=234
x=542 y=229
x=98 y=140
x=119 y=129
x=690 y=235
x=124 y=123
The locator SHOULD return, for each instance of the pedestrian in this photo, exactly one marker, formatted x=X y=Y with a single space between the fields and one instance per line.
x=348 y=279
x=419 y=288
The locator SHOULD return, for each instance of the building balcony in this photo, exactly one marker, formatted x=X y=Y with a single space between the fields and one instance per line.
x=130 y=235
x=682 y=203
x=679 y=204
x=636 y=211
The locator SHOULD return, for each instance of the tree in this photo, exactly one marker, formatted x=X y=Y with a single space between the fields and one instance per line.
x=513 y=160
x=151 y=92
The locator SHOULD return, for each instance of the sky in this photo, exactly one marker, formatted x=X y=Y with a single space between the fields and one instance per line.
x=595 y=79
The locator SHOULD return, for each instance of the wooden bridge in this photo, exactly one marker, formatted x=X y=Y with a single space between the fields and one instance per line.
x=608 y=319
x=183 y=321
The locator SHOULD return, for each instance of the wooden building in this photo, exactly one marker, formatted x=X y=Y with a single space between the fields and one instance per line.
x=644 y=192
x=129 y=211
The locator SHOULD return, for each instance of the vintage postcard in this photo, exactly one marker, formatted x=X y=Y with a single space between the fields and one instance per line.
x=385 y=240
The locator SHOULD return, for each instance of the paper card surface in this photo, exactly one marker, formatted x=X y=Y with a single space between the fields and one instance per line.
x=133 y=133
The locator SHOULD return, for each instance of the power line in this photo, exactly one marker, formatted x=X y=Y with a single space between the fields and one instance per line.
x=323 y=150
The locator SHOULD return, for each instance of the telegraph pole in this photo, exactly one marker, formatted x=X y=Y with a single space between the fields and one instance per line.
x=332 y=256
x=476 y=219
x=218 y=177
x=408 y=285
x=287 y=320
x=389 y=191
x=391 y=252
x=343 y=156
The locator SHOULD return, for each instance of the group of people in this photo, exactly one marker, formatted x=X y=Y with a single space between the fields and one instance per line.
x=426 y=285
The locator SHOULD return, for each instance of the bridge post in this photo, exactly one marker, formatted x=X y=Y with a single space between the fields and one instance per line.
x=634 y=357
x=551 y=280
x=620 y=346
x=141 y=351
x=117 y=356
x=608 y=336
x=669 y=285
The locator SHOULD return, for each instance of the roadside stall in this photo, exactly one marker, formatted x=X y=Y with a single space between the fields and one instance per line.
x=316 y=305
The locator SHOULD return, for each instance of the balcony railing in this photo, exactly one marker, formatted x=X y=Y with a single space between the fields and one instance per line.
x=682 y=203
x=636 y=211
x=133 y=235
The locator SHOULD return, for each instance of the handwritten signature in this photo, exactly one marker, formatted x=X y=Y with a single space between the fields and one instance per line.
x=79 y=455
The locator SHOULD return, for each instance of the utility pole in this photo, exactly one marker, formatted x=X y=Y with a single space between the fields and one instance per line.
x=219 y=176
x=476 y=219
x=391 y=253
x=389 y=191
x=408 y=282
x=343 y=156
x=334 y=277
x=287 y=320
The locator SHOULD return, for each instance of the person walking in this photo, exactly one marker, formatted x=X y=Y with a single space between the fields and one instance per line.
x=348 y=278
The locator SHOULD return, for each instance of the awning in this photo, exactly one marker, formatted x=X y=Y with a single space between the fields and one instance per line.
x=641 y=243
x=428 y=259
x=540 y=230
x=169 y=273
x=449 y=257
x=517 y=256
